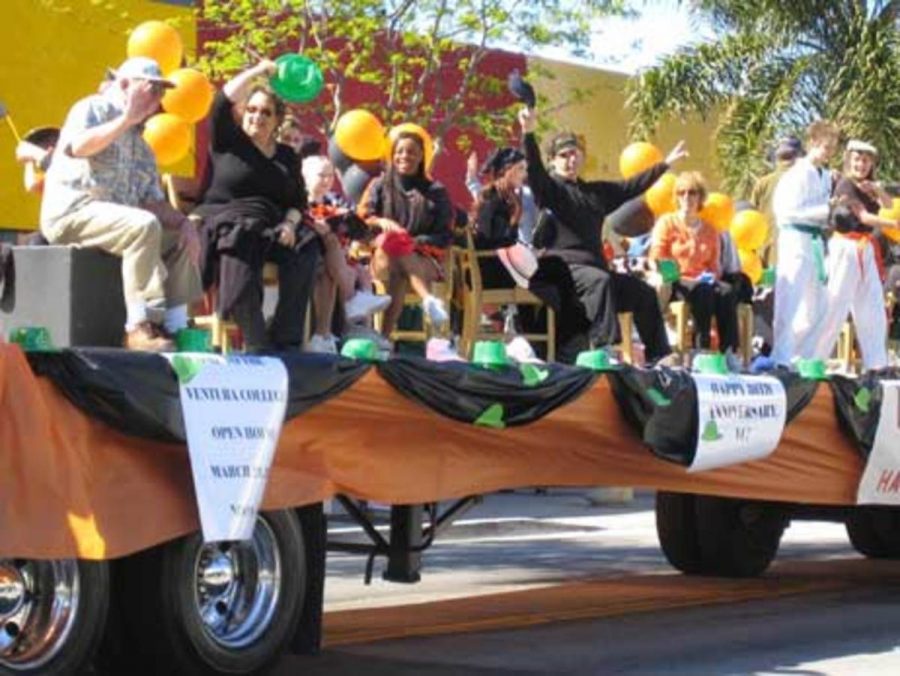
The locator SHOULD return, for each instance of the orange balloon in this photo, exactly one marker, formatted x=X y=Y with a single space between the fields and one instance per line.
x=191 y=96
x=638 y=157
x=169 y=136
x=158 y=41
x=749 y=229
x=751 y=264
x=360 y=135
x=718 y=210
x=411 y=127
x=892 y=212
x=661 y=195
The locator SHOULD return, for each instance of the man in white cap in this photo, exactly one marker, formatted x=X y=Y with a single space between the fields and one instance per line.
x=801 y=204
x=103 y=190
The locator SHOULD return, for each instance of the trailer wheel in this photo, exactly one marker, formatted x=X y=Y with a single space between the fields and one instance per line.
x=676 y=528
x=738 y=538
x=224 y=607
x=52 y=614
x=875 y=532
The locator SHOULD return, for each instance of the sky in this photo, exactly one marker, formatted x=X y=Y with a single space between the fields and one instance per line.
x=628 y=44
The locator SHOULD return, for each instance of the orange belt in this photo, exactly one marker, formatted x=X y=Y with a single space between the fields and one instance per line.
x=863 y=239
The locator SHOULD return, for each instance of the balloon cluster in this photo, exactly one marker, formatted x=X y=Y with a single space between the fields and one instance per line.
x=749 y=228
x=359 y=145
x=892 y=212
x=169 y=133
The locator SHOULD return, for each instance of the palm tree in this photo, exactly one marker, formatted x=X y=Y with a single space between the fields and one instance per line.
x=778 y=65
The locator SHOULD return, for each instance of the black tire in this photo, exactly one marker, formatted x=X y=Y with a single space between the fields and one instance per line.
x=676 y=528
x=163 y=630
x=875 y=532
x=70 y=645
x=737 y=538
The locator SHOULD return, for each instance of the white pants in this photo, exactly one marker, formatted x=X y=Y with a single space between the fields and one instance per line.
x=799 y=298
x=854 y=286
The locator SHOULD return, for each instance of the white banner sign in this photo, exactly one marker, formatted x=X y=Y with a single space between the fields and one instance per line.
x=880 y=482
x=741 y=418
x=233 y=411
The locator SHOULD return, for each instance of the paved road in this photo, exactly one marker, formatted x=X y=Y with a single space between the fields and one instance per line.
x=840 y=617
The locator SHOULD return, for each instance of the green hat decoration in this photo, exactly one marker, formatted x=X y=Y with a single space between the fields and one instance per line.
x=490 y=354
x=596 y=360
x=193 y=340
x=363 y=349
x=710 y=363
x=32 y=338
x=668 y=270
x=813 y=369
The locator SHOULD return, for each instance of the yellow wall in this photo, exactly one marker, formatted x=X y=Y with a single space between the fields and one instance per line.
x=52 y=58
x=603 y=119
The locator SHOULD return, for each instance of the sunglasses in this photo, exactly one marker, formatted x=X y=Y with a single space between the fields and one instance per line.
x=264 y=112
x=687 y=193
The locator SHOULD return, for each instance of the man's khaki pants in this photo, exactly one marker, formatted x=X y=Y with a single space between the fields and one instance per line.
x=155 y=270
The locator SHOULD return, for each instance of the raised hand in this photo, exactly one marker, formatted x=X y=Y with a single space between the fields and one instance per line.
x=677 y=153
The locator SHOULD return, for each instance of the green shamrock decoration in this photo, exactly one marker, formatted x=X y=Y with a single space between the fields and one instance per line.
x=658 y=397
x=492 y=416
x=862 y=399
x=185 y=368
x=532 y=375
x=711 y=431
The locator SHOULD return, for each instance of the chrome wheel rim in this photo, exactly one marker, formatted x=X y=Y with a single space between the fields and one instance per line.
x=38 y=607
x=237 y=586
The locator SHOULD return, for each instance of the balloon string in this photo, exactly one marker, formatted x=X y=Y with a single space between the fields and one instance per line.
x=12 y=127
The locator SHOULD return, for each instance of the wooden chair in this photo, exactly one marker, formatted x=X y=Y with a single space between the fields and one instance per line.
x=681 y=313
x=475 y=297
x=442 y=289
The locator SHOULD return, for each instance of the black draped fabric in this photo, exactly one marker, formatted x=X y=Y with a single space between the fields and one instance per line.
x=857 y=404
x=500 y=398
x=662 y=406
x=137 y=393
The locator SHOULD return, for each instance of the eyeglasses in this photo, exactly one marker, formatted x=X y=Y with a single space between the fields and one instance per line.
x=687 y=193
x=265 y=112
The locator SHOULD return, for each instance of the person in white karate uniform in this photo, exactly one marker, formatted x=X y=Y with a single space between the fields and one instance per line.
x=855 y=270
x=801 y=204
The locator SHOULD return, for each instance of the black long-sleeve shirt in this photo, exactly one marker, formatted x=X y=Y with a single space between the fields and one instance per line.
x=493 y=227
x=579 y=207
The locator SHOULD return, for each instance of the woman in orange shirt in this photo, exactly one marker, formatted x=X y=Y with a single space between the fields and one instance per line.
x=694 y=246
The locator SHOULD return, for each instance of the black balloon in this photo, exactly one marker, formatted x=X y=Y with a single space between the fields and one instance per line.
x=632 y=219
x=354 y=181
x=340 y=161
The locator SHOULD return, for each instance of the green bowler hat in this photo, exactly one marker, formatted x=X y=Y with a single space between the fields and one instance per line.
x=813 y=369
x=32 y=338
x=490 y=354
x=668 y=270
x=193 y=340
x=596 y=360
x=710 y=363
x=363 y=349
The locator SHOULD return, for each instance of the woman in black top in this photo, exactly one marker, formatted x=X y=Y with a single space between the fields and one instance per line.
x=578 y=210
x=414 y=216
x=497 y=211
x=251 y=213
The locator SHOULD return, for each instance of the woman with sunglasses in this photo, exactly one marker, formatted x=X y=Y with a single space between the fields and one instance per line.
x=251 y=214
x=497 y=214
x=414 y=216
x=694 y=245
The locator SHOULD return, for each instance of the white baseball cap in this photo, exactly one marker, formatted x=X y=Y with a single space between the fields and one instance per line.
x=142 y=68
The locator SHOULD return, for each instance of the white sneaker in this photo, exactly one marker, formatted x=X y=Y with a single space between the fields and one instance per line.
x=520 y=350
x=363 y=304
x=322 y=344
x=435 y=310
x=441 y=349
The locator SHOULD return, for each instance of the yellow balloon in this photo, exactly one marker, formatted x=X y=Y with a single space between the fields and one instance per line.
x=159 y=41
x=749 y=229
x=751 y=264
x=360 y=135
x=718 y=210
x=191 y=96
x=638 y=157
x=169 y=136
x=892 y=212
x=412 y=128
x=661 y=195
